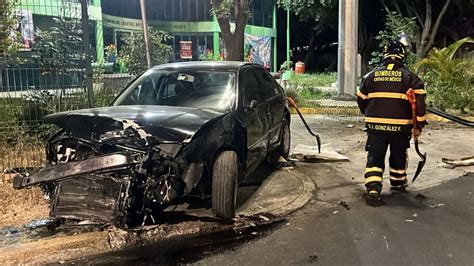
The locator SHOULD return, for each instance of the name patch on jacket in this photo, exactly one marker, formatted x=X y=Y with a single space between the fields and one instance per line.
x=384 y=127
x=388 y=76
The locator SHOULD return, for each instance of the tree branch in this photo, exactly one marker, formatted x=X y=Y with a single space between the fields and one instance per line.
x=411 y=9
x=385 y=6
x=426 y=30
x=397 y=7
x=434 y=31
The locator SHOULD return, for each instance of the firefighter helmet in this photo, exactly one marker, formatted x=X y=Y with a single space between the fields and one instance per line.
x=395 y=51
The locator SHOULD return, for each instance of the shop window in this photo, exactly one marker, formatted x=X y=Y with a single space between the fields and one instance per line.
x=193 y=10
x=268 y=13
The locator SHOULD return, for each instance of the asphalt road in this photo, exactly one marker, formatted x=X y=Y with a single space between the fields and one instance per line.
x=434 y=226
x=431 y=224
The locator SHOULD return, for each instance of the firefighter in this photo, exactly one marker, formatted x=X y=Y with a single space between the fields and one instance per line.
x=383 y=100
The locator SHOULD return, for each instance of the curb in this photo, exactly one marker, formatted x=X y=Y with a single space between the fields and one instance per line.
x=306 y=194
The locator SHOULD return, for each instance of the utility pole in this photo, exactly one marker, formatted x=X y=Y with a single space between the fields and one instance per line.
x=347 y=46
x=288 y=35
x=145 y=34
x=87 y=52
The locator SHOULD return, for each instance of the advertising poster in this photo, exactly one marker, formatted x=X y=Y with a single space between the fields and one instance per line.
x=258 y=50
x=26 y=27
x=186 y=51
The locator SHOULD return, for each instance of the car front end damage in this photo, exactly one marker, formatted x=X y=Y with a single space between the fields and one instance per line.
x=114 y=171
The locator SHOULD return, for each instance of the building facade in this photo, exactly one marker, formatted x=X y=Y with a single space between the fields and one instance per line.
x=189 y=21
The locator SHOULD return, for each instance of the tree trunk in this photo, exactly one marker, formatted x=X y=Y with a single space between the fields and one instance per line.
x=428 y=34
x=234 y=45
x=233 y=41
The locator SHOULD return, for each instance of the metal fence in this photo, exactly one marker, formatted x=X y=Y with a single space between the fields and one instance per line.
x=28 y=94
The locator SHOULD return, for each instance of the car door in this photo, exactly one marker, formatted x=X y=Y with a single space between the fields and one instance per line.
x=276 y=104
x=255 y=113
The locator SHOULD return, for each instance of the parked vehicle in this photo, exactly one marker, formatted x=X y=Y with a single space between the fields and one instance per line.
x=177 y=128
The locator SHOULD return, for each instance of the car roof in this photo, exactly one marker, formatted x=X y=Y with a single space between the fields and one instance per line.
x=200 y=65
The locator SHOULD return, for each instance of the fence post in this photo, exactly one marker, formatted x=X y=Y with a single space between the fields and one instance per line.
x=87 y=52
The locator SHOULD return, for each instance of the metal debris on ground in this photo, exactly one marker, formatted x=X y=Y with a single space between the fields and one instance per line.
x=306 y=153
x=466 y=161
x=415 y=215
x=285 y=164
x=436 y=205
x=409 y=220
x=345 y=205
x=335 y=212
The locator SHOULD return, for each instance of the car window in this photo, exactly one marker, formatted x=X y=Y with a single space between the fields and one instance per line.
x=200 y=89
x=253 y=86
x=268 y=83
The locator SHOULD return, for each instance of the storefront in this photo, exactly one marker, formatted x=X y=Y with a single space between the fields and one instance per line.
x=190 y=21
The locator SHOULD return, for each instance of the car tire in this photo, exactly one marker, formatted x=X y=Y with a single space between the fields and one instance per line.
x=283 y=149
x=224 y=184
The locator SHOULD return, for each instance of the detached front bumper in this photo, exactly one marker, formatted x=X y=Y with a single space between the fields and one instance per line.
x=97 y=165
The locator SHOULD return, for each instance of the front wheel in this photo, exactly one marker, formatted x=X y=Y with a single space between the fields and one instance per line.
x=224 y=184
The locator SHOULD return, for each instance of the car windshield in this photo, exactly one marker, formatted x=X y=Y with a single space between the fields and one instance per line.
x=204 y=89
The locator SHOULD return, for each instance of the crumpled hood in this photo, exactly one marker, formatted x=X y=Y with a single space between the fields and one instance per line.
x=167 y=123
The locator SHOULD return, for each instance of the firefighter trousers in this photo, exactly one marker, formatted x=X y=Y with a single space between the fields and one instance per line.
x=377 y=144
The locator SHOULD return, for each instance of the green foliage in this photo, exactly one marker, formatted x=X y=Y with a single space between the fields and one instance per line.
x=324 y=11
x=133 y=51
x=9 y=35
x=287 y=65
x=61 y=46
x=209 y=56
x=395 y=24
x=309 y=85
x=222 y=8
x=450 y=81
x=314 y=80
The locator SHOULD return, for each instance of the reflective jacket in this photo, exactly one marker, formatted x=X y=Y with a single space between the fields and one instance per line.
x=382 y=99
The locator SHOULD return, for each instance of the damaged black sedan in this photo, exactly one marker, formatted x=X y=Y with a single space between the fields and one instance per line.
x=178 y=128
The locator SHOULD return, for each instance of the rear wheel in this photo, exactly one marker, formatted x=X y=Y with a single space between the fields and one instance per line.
x=284 y=147
x=224 y=184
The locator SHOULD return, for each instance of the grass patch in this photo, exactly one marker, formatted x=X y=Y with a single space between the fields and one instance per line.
x=314 y=80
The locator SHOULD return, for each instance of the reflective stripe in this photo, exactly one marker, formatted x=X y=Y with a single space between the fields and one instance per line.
x=390 y=66
x=396 y=178
x=421 y=118
x=419 y=91
x=392 y=55
x=393 y=95
x=398 y=171
x=373 y=179
x=388 y=121
x=361 y=95
x=373 y=169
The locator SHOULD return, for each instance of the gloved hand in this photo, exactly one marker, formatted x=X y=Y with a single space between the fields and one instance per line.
x=416 y=133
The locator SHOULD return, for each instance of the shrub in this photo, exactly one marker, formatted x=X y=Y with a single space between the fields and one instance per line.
x=449 y=80
x=395 y=24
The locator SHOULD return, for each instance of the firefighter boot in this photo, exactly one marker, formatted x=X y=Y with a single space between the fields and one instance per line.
x=373 y=190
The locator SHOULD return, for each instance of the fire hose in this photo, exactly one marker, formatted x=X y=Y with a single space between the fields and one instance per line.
x=450 y=117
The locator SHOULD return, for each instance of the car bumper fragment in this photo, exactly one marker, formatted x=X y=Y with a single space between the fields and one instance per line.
x=101 y=164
